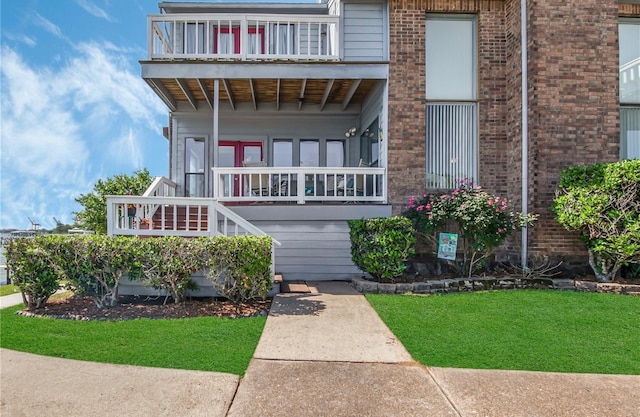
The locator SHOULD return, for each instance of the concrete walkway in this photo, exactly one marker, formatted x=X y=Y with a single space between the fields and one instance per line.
x=321 y=354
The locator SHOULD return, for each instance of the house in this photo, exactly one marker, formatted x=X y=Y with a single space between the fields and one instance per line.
x=289 y=119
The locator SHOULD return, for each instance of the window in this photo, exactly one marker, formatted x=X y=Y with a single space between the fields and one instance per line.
x=282 y=153
x=282 y=39
x=195 y=38
x=194 y=167
x=335 y=153
x=309 y=153
x=451 y=111
x=629 y=33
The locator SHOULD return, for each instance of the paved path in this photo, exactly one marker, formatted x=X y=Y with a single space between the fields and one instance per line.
x=321 y=354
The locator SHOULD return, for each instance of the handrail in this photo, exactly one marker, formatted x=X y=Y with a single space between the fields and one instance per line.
x=199 y=35
x=175 y=216
x=161 y=187
x=299 y=184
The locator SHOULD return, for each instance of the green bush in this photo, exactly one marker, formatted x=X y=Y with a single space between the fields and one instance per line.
x=382 y=246
x=167 y=264
x=239 y=267
x=33 y=270
x=482 y=220
x=602 y=203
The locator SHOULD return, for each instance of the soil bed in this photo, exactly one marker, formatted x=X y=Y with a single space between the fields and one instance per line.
x=137 y=307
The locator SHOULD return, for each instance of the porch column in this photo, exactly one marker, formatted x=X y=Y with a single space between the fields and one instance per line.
x=215 y=137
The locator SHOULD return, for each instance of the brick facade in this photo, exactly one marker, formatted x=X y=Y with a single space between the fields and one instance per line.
x=573 y=99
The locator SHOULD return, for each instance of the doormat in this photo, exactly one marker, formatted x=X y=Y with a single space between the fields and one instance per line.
x=294 y=287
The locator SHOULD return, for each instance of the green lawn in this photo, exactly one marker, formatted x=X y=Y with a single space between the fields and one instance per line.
x=8 y=289
x=207 y=343
x=521 y=330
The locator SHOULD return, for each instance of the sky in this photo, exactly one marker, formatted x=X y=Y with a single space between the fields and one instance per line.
x=74 y=107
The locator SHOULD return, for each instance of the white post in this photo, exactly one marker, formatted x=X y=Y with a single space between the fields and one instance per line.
x=216 y=127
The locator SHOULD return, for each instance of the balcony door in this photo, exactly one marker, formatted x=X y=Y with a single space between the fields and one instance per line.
x=226 y=40
x=234 y=154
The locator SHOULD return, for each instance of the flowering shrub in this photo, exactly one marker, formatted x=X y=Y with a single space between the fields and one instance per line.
x=482 y=221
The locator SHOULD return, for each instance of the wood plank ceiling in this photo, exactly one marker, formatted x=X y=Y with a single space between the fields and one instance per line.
x=262 y=91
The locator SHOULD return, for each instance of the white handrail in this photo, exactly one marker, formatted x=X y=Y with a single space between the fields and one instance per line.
x=299 y=184
x=161 y=187
x=297 y=37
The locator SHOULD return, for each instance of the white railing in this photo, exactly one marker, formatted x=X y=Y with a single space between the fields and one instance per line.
x=299 y=184
x=174 y=216
x=244 y=37
x=161 y=187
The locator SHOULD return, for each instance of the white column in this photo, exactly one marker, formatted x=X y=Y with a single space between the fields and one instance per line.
x=215 y=136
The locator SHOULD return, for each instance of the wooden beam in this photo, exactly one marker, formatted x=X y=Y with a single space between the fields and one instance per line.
x=253 y=94
x=301 y=96
x=185 y=89
x=205 y=91
x=163 y=93
x=352 y=90
x=227 y=87
x=278 y=94
x=327 y=91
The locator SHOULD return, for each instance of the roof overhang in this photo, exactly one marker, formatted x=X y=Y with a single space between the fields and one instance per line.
x=317 y=84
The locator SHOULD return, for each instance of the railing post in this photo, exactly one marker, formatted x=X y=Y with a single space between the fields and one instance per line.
x=244 y=38
x=300 y=184
x=110 y=218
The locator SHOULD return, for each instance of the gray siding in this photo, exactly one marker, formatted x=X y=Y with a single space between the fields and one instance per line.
x=314 y=240
x=364 y=31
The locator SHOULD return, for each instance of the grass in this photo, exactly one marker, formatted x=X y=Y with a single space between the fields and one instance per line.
x=8 y=289
x=206 y=343
x=520 y=330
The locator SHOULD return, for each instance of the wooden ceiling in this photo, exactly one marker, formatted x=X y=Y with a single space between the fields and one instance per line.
x=302 y=92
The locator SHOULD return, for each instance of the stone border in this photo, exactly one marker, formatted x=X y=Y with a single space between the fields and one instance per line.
x=454 y=285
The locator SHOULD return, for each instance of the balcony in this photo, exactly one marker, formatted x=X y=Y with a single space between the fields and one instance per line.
x=233 y=37
x=300 y=185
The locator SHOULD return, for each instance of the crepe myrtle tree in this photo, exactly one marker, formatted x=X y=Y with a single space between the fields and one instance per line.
x=93 y=215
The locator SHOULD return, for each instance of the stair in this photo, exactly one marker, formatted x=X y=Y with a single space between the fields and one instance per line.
x=183 y=218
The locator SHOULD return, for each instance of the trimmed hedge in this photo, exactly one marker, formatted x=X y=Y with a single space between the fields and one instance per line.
x=381 y=246
x=94 y=265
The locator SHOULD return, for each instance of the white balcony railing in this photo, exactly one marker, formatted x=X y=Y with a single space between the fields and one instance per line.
x=174 y=216
x=299 y=184
x=243 y=37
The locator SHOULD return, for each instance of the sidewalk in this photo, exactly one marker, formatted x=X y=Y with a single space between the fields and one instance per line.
x=321 y=354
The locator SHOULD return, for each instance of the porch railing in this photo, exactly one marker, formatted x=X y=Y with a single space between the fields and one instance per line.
x=244 y=37
x=299 y=184
x=161 y=187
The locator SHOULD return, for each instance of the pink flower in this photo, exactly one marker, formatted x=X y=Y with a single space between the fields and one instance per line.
x=420 y=208
x=428 y=206
x=490 y=201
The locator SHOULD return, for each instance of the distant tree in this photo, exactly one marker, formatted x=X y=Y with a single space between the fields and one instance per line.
x=94 y=213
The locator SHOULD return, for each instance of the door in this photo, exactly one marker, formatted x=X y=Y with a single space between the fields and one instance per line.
x=234 y=155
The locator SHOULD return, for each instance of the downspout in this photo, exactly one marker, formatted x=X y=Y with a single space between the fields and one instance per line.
x=525 y=130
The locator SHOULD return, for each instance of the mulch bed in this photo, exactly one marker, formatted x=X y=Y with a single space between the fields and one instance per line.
x=137 y=307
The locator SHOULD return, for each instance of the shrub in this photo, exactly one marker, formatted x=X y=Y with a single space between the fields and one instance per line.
x=33 y=270
x=96 y=264
x=482 y=221
x=381 y=246
x=167 y=263
x=602 y=203
x=239 y=267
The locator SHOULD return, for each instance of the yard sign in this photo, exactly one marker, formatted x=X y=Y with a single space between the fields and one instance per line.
x=447 y=246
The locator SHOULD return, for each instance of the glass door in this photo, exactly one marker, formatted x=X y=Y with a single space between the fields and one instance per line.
x=235 y=154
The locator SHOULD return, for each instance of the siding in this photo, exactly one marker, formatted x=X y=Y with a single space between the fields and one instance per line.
x=315 y=243
x=363 y=32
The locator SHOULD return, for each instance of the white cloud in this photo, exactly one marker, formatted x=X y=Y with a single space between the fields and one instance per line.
x=94 y=10
x=48 y=26
x=27 y=40
x=64 y=127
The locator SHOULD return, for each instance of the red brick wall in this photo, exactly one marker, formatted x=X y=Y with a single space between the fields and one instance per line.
x=573 y=108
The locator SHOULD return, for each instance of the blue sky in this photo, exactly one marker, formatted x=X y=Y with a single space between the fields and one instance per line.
x=74 y=108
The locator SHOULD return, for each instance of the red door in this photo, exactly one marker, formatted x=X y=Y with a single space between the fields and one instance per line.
x=235 y=154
